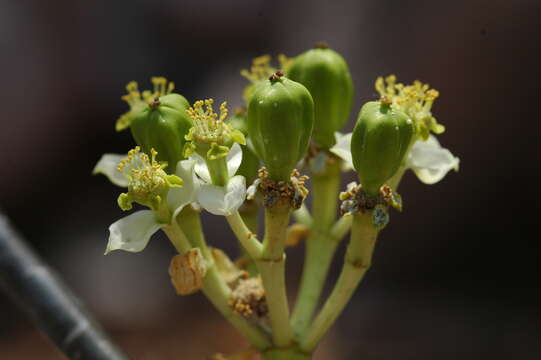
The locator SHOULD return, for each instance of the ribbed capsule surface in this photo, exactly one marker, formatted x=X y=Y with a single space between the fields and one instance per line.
x=326 y=75
x=162 y=126
x=280 y=121
x=380 y=141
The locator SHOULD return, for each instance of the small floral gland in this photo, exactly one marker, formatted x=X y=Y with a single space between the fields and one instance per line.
x=137 y=100
x=415 y=100
x=210 y=133
x=148 y=182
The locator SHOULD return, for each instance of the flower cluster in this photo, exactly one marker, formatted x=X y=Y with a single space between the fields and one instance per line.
x=188 y=158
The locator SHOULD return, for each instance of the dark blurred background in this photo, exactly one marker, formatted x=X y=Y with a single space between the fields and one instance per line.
x=456 y=276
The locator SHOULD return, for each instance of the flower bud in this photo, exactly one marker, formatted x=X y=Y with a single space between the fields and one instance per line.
x=162 y=125
x=380 y=141
x=280 y=121
x=325 y=74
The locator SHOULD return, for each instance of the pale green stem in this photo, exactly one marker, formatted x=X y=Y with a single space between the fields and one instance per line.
x=214 y=287
x=320 y=248
x=357 y=260
x=249 y=213
x=302 y=215
x=341 y=227
x=247 y=238
x=218 y=171
x=271 y=266
x=190 y=223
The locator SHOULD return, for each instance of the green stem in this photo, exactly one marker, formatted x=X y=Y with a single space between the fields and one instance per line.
x=190 y=222
x=249 y=213
x=214 y=287
x=271 y=266
x=357 y=261
x=218 y=171
x=341 y=227
x=302 y=215
x=247 y=238
x=320 y=248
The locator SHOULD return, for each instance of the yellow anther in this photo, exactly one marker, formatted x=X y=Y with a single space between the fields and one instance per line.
x=137 y=100
x=415 y=100
x=208 y=126
x=261 y=69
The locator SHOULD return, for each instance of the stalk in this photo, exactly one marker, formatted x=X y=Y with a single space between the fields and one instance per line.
x=357 y=261
x=320 y=248
x=271 y=266
x=214 y=287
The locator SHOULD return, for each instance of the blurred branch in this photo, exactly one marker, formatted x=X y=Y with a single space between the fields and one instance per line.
x=48 y=302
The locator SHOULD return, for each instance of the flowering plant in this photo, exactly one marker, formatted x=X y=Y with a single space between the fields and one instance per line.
x=191 y=159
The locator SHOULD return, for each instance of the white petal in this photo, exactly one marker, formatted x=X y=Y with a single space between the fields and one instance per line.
x=219 y=200
x=179 y=197
x=342 y=149
x=132 y=233
x=108 y=165
x=234 y=158
x=430 y=161
x=201 y=167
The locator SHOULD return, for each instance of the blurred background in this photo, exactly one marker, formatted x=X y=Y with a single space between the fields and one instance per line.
x=456 y=276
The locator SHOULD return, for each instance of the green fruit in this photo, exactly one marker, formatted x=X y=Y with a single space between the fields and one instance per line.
x=380 y=141
x=280 y=121
x=162 y=125
x=325 y=74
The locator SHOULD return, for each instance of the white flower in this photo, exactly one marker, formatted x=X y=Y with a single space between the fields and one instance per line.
x=430 y=161
x=132 y=232
x=342 y=149
x=221 y=200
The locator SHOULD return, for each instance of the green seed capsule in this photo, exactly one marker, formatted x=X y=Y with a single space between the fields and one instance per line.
x=280 y=121
x=380 y=141
x=162 y=125
x=325 y=74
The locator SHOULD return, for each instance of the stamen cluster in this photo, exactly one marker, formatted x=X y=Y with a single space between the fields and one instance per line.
x=210 y=131
x=137 y=100
x=415 y=100
x=148 y=182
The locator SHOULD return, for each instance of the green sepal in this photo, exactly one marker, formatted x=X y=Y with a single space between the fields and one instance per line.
x=238 y=137
x=124 y=201
x=396 y=200
x=217 y=151
x=173 y=181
